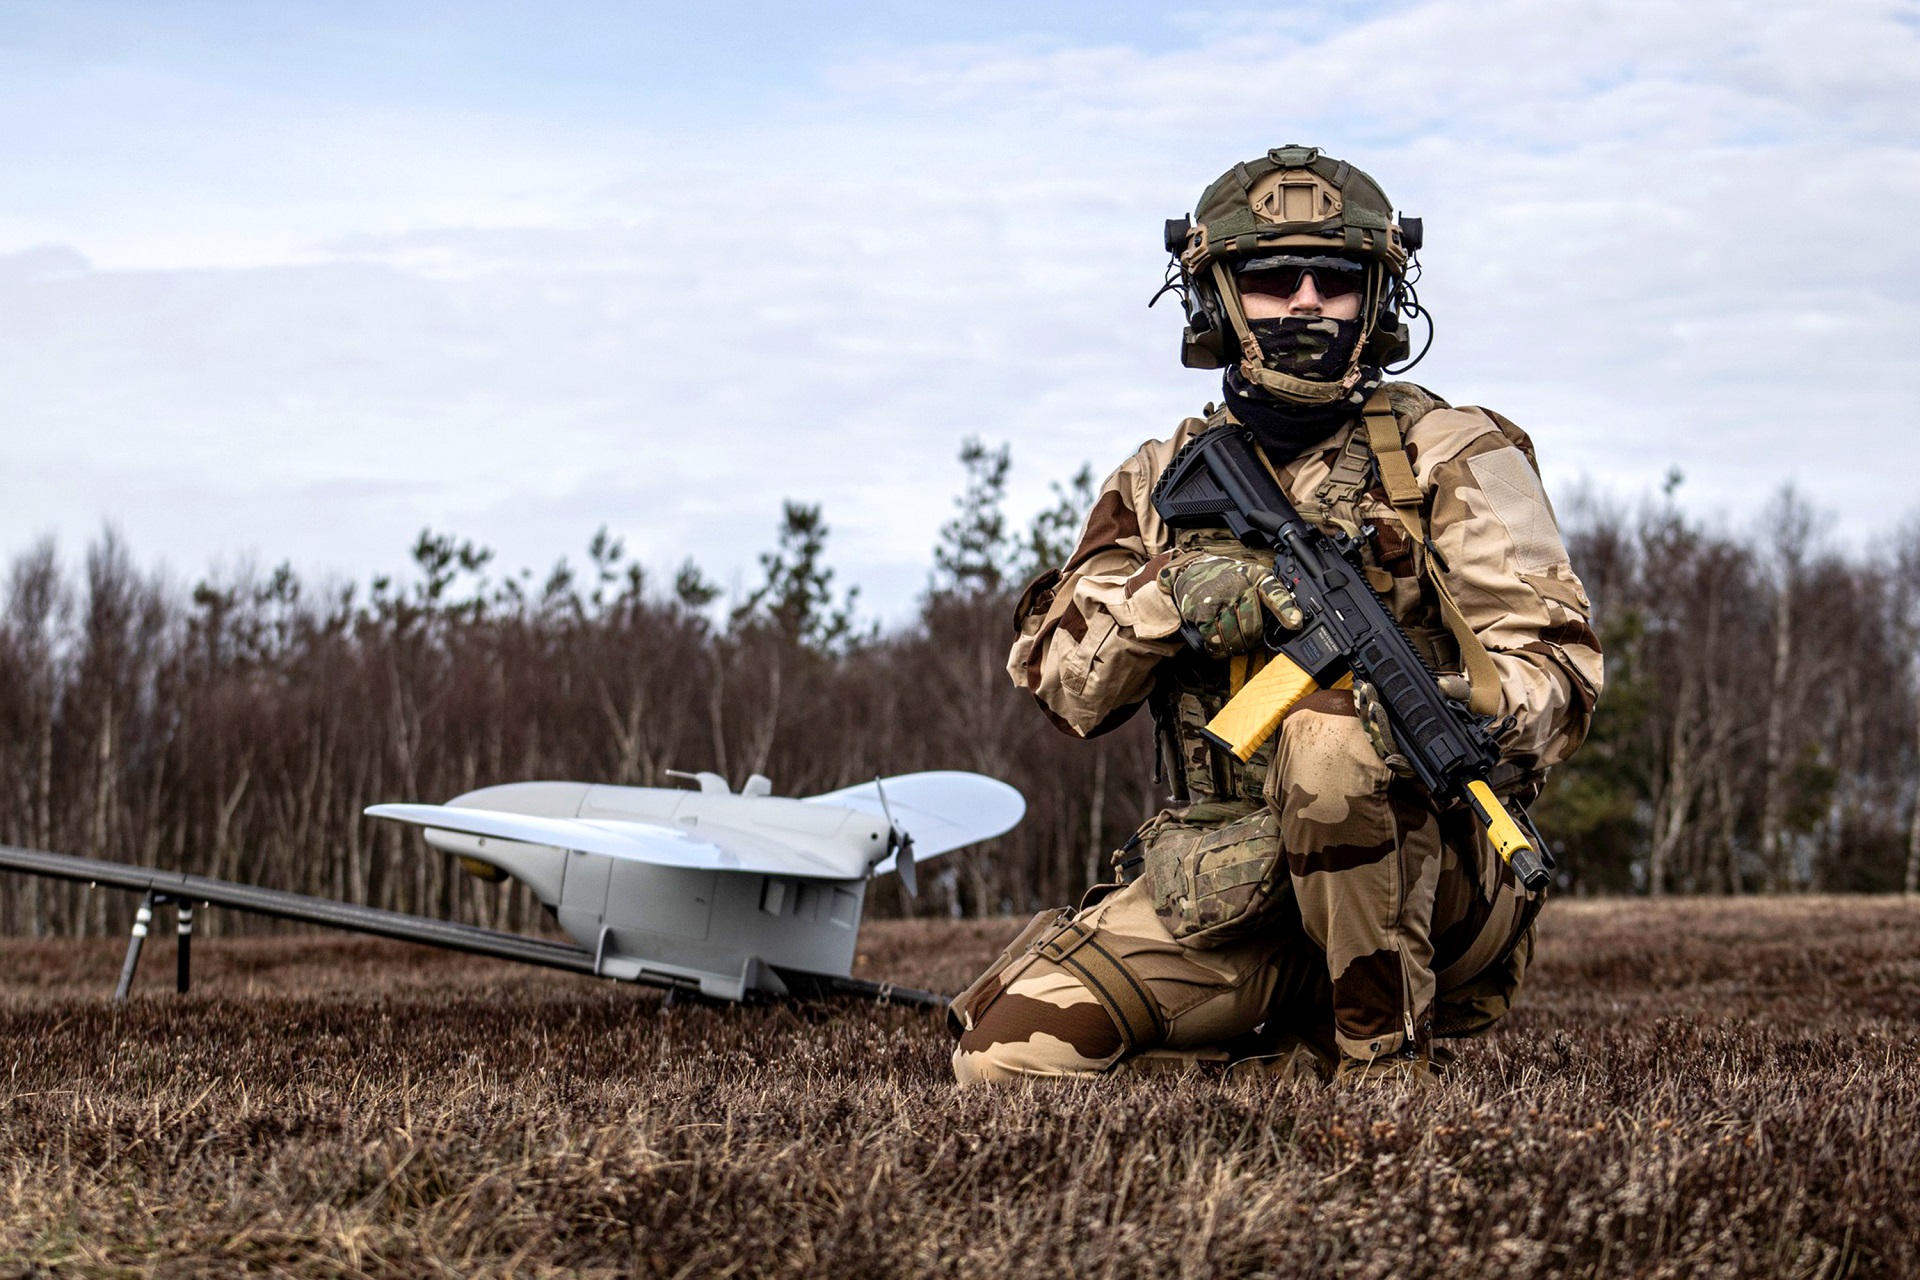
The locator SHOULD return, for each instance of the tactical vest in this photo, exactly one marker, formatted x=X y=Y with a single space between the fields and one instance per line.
x=1214 y=865
x=1353 y=499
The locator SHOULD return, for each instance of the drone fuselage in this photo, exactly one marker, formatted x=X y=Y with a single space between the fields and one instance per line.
x=724 y=932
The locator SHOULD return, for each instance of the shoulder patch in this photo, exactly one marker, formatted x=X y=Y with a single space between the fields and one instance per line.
x=1517 y=499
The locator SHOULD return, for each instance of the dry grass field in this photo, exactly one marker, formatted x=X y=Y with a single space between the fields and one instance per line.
x=1690 y=1087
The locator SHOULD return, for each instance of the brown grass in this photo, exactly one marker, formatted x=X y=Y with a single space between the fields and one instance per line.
x=1689 y=1088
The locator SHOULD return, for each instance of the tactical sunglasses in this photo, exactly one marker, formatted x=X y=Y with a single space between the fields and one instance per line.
x=1280 y=276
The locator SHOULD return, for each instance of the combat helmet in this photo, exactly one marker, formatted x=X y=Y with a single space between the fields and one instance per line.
x=1293 y=204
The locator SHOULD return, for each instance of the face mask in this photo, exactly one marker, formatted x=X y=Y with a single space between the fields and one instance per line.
x=1286 y=429
x=1312 y=347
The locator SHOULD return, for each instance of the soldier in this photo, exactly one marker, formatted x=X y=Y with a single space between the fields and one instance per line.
x=1311 y=911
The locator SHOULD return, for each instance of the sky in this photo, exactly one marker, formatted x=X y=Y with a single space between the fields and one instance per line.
x=295 y=281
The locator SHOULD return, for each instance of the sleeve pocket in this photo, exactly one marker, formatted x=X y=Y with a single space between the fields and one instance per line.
x=1076 y=669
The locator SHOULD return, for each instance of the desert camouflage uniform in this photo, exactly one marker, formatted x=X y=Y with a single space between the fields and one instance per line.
x=1311 y=889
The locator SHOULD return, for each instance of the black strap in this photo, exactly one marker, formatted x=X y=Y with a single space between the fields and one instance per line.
x=1124 y=996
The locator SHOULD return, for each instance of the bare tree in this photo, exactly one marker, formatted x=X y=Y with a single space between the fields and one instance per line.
x=1906 y=613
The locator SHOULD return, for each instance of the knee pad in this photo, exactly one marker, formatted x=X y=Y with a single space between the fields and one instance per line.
x=1044 y=1022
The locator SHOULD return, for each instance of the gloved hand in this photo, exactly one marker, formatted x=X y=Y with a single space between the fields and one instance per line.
x=1221 y=598
x=1373 y=715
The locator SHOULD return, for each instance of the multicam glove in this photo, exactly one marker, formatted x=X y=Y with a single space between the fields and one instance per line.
x=1221 y=598
x=1373 y=715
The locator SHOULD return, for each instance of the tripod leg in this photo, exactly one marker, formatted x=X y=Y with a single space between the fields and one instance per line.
x=184 y=955
x=141 y=919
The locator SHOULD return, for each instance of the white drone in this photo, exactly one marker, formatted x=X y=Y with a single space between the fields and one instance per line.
x=727 y=896
x=732 y=895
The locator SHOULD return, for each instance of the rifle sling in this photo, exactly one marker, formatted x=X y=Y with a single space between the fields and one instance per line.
x=1403 y=491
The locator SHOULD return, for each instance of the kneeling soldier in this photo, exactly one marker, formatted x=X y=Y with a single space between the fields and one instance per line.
x=1312 y=906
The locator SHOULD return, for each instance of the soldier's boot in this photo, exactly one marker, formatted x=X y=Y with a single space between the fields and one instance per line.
x=1293 y=1061
x=1414 y=1071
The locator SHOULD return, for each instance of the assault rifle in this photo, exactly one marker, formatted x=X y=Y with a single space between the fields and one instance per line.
x=1220 y=478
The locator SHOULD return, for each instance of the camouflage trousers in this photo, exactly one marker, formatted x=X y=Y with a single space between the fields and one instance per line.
x=1390 y=925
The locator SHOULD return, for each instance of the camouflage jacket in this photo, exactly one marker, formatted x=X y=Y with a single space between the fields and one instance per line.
x=1100 y=636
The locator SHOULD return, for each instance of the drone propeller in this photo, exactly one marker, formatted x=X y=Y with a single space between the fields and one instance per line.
x=899 y=844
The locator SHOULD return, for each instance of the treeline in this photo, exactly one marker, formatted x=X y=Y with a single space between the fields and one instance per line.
x=1758 y=733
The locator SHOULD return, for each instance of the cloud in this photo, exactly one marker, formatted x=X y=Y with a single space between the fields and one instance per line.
x=1659 y=234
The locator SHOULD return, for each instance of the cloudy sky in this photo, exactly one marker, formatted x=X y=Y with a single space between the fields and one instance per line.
x=294 y=280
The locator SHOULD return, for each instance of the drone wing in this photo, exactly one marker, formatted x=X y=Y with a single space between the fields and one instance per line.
x=636 y=841
x=942 y=810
